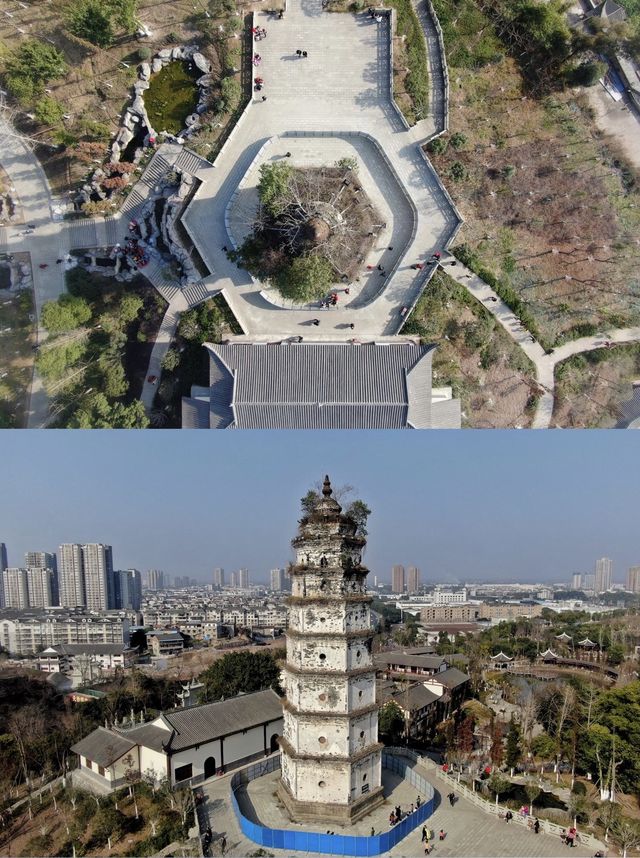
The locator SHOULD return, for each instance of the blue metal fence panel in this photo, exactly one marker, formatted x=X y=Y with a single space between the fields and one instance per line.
x=332 y=844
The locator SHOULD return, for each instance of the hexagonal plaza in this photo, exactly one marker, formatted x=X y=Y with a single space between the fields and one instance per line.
x=313 y=111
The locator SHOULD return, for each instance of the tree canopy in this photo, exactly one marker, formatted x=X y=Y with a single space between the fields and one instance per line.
x=307 y=278
x=241 y=671
x=33 y=65
x=65 y=314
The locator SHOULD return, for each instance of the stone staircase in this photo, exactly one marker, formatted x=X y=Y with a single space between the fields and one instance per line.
x=157 y=271
x=83 y=234
x=132 y=202
x=158 y=167
x=190 y=163
x=112 y=228
x=195 y=293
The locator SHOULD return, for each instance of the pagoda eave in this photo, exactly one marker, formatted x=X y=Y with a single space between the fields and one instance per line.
x=328 y=600
x=357 y=712
x=288 y=748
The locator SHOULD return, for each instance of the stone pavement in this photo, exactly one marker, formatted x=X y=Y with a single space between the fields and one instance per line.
x=315 y=109
x=471 y=832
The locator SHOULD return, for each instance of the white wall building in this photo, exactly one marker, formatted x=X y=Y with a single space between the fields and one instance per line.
x=183 y=746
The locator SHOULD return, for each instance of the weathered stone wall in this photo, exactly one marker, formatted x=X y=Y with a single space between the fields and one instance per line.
x=339 y=618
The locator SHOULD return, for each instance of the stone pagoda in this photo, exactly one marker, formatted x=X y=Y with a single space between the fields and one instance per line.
x=331 y=757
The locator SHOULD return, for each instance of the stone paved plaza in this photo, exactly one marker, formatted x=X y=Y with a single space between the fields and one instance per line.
x=342 y=92
x=471 y=832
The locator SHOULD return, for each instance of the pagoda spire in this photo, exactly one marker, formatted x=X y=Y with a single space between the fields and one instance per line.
x=326 y=487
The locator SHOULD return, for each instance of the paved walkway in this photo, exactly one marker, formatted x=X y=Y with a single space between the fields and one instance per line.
x=471 y=832
x=544 y=363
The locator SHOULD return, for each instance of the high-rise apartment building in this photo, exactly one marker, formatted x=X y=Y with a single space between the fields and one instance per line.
x=218 y=578
x=45 y=560
x=40 y=587
x=243 y=579
x=99 y=585
x=576 y=581
x=155 y=579
x=413 y=579
x=603 y=575
x=277 y=579
x=633 y=579
x=128 y=589
x=14 y=585
x=588 y=582
x=397 y=579
x=3 y=557
x=71 y=576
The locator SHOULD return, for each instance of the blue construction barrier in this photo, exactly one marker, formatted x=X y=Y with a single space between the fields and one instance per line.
x=335 y=844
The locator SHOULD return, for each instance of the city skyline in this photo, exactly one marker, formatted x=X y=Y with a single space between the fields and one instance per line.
x=436 y=507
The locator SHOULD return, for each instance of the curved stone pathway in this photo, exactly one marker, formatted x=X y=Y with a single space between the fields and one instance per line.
x=544 y=363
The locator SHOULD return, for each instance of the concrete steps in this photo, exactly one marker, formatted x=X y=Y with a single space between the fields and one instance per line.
x=190 y=163
x=158 y=167
x=83 y=233
x=196 y=293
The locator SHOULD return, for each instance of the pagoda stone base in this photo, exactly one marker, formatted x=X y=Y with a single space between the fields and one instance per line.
x=331 y=814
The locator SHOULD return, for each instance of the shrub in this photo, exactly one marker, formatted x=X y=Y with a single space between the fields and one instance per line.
x=438 y=146
x=231 y=93
x=91 y=20
x=144 y=54
x=458 y=140
x=48 y=111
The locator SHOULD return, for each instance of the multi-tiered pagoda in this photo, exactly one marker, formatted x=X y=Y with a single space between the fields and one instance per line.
x=331 y=757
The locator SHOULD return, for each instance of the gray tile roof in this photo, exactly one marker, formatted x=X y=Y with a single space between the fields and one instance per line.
x=445 y=414
x=103 y=746
x=89 y=649
x=195 y=413
x=199 y=724
x=149 y=736
x=431 y=662
x=319 y=386
x=451 y=677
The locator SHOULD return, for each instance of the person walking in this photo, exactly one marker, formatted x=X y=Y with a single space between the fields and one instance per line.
x=442 y=834
x=508 y=816
x=352 y=326
x=223 y=844
x=425 y=833
x=315 y=322
x=299 y=53
x=536 y=826
x=304 y=54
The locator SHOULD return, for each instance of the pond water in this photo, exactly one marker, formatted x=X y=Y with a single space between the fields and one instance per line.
x=172 y=96
x=5 y=276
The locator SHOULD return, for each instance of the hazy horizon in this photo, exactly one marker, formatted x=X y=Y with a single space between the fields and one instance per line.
x=490 y=506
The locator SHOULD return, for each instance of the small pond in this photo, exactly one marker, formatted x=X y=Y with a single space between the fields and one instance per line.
x=172 y=96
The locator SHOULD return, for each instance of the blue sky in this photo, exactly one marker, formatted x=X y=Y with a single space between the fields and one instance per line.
x=461 y=505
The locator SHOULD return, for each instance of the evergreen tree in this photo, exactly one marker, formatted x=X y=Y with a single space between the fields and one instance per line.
x=514 y=749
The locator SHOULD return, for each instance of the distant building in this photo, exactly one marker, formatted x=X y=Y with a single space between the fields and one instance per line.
x=243 y=579
x=633 y=579
x=603 y=575
x=448 y=613
x=413 y=579
x=45 y=560
x=14 y=585
x=449 y=597
x=162 y=643
x=576 y=581
x=397 y=579
x=218 y=578
x=26 y=632
x=129 y=589
x=155 y=580
x=3 y=557
x=589 y=582
x=73 y=658
x=277 y=579
x=71 y=576
x=99 y=584
x=40 y=587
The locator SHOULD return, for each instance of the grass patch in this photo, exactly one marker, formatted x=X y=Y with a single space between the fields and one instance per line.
x=469 y=38
x=172 y=96
x=591 y=387
x=489 y=373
